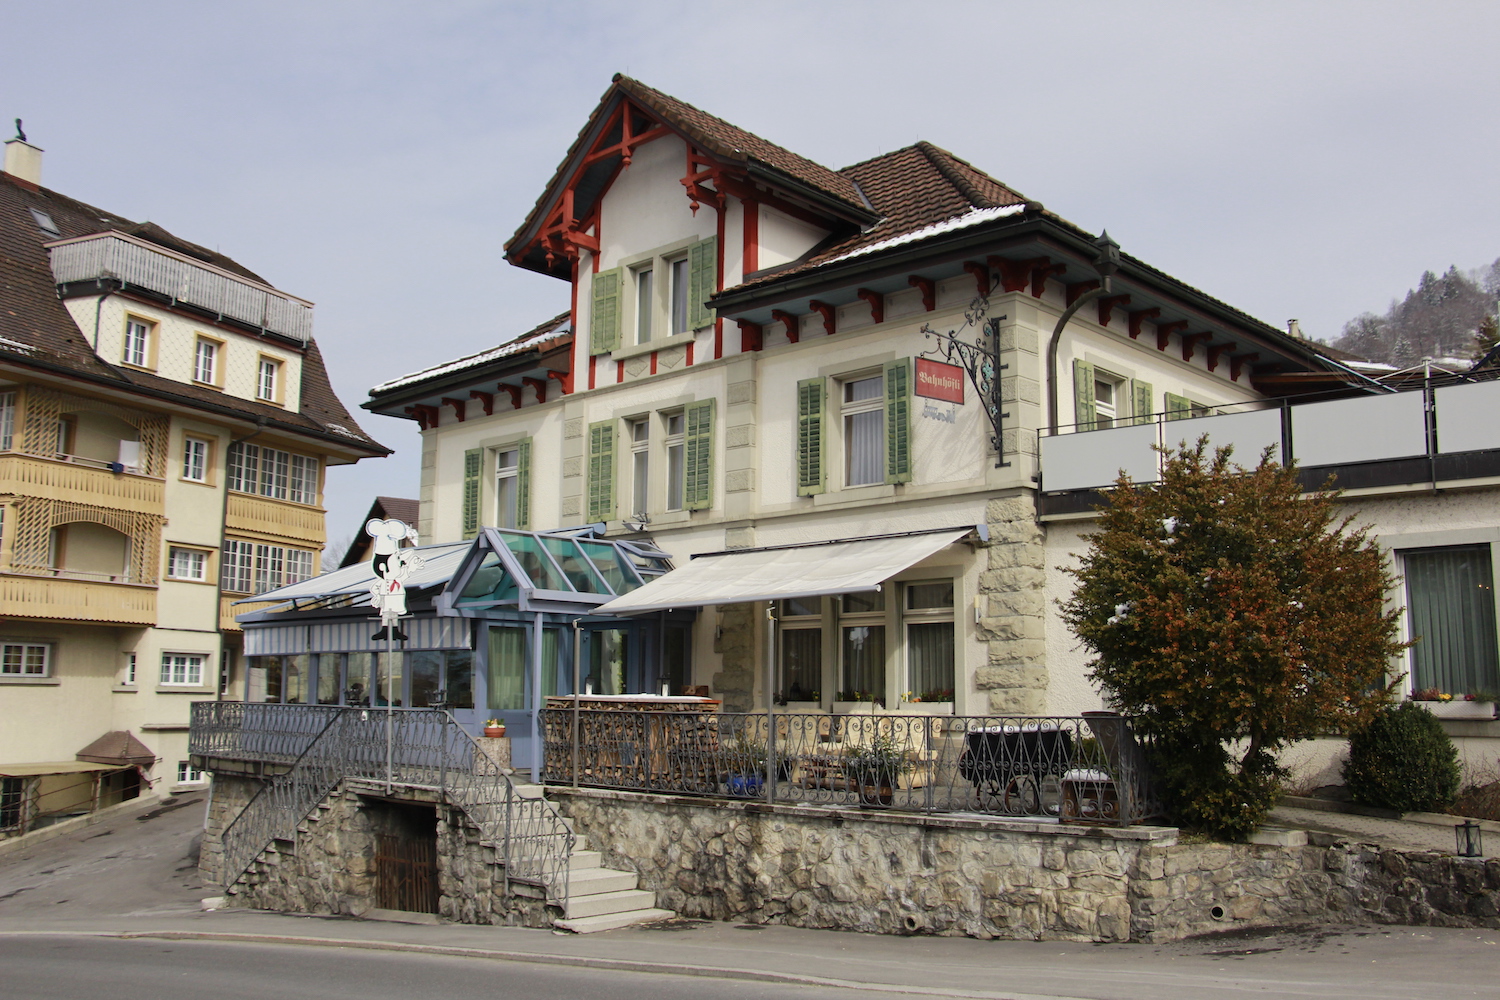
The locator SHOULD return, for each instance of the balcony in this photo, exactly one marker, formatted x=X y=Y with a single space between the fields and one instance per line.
x=1430 y=436
x=228 y=609
x=75 y=599
x=276 y=518
x=182 y=278
x=79 y=481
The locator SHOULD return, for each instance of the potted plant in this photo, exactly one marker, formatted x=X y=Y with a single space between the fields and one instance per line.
x=934 y=702
x=1475 y=705
x=745 y=762
x=494 y=729
x=875 y=769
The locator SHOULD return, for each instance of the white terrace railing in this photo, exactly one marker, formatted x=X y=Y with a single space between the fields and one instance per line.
x=1427 y=423
x=157 y=269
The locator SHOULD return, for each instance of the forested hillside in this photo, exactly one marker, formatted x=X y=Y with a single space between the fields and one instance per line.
x=1452 y=315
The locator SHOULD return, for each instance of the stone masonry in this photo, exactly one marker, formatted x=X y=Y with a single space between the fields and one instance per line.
x=1014 y=678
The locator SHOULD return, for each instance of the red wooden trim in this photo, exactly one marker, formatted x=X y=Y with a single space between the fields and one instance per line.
x=514 y=392
x=1077 y=289
x=619 y=372
x=1040 y=275
x=1215 y=352
x=564 y=379
x=928 y=289
x=1164 y=332
x=1190 y=343
x=877 y=303
x=750 y=227
x=690 y=345
x=981 y=273
x=1107 y=305
x=460 y=406
x=718 y=286
x=828 y=312
x=792 y=323
x=486 y=401
x=653 y=362
x=593 y=368
x=1237 y=364
x=420 y=413
x=538 y=386
x=1014 y=274
x=1140 y=316
x=751 y=336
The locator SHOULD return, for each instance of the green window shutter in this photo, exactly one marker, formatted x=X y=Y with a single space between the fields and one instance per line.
x=1140 y=401
x=604 y=321
x=1178 y=407
x=473 y=463
x=1085 y=415
x=811 y=402
x=602 y=471
x=898 y=421
x=698 y=456
x=523 y=483
x=703 y=274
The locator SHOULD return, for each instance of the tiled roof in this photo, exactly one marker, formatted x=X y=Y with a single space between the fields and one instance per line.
x=919 y=191
x=36 y=328
x=400 y=508
x=556 y=328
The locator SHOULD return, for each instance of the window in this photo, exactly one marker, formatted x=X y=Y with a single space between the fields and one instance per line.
x=65 y=427
x=25 y=659
x=645 y=305
x=928 y=615
x=273 y=473
x=1181 y=408
x=236 y=563
x=801 y=649
x=187 y=564
x=195 y=460
x=129 y=670
x=1450 y=601
x=507 y=470
x=137 y=343
x=270 y=565
x=862 y=647
x=675 y=439
x=299 y=566
x=253 y=568
x=1105 y=389
x=601 y=484
x=267 y=380
x=7 y=420
x=679 y=295
x=691 y=276
x=864 y=425
x=189 y=775
x=206 y=361
x=640 y=466
x=182 y=669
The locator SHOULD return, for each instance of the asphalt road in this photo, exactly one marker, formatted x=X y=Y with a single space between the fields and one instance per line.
x=113 y=910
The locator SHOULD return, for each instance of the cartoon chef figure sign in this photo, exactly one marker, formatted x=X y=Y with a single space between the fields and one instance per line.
x=392 y=565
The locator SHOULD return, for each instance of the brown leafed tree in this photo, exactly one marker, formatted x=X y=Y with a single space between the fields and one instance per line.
x=1232 y=615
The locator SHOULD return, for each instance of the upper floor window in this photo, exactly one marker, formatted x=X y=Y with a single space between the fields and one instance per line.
x=206 y=361
x=137 y=343
x=645 y=305
x=195 y=460
x=273 y=473
x=182 y=669
x=660 y=295
x=640 y=466
x=873 y=410
x=507 y=472
x=25 y=659
x=253 y=568
x=187 y=564
x=268 y=380
x=7 y=420
x=864 y=425
x=1106 y=392
x=675 y=442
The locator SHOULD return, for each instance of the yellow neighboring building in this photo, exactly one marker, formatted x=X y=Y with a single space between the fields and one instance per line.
x=165 y=426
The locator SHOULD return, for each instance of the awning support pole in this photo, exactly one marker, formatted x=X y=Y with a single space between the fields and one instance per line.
x=536 y=698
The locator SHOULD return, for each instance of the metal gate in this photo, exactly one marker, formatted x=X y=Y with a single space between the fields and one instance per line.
x=406 y=873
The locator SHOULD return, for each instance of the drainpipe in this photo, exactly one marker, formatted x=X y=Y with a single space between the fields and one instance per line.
x=1107 y=263
x=98 y=307
x=260 y=425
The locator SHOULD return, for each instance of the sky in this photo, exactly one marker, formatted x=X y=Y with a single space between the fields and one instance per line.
x=1296 y=160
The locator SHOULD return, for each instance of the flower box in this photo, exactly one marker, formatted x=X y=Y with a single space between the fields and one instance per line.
x=1460 y=709
x=926 y=708
x=854 y=708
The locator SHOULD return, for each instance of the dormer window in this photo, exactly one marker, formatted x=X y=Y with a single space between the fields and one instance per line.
x=137 y=351
x=206 y=362
x=268 y=380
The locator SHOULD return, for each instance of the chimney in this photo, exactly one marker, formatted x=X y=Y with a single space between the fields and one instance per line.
x=23 y=161
x=1294 y=329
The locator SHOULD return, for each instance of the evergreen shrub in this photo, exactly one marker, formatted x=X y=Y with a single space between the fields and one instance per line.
x=1402 y=760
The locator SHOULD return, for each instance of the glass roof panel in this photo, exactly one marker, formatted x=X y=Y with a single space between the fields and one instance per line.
x=534 y=561
x=620 y=575
x=489 y=583
x=575 y=565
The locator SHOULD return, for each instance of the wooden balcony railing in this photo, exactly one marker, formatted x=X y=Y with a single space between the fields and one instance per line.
x=276 y=518
x=228 y=609
x=53 y=480
x=77 y=600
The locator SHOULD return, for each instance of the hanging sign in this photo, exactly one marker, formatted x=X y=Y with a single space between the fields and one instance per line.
x=937 y=380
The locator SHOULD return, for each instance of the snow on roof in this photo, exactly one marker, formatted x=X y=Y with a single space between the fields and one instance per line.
x=517 y=346
x=973 y=217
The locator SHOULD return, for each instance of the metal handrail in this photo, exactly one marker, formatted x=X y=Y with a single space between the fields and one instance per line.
x=427 y=749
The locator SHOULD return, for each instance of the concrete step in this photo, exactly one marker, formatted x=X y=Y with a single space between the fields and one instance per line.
x=610 y=921
x=582 y=860
x=592 y=881
x=610 y=902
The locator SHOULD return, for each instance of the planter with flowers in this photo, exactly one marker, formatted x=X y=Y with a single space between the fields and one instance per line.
x=927 y=703
x=1476 y=705
x=494 y=729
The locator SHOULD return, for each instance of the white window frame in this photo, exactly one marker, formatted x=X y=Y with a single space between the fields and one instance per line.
x=640 y=465
x=137 y=349
x=643 y=292
x=674 y=443
x=237 y=565
x=851 y=410
x=182 y=669
x=1108 y=413
x=7 y=420
x=270 y=472
x=206 y=362
x=507 y=486
x=679 y=286
x=195 y=459
x=185 y=563
x=189 y=775
x=268 y=380
x=130 y=665
x=927 y=616
x=28 y=660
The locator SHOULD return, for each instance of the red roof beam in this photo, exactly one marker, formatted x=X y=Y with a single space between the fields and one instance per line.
x=828 y=312
x=1107 y=305
x=876 y=301
x=1164 y=332
x=486 y=401
x=460 y=407
x=751 y=336
x=792 y=323
x=514 y=392
x=981 y=273
x=928 y=288
x=1140 y=316
x=1040 y=275
x=538 y=386
x=1190 y=343
x=1237 y=363
x=1014 y=274
x=1215 y=352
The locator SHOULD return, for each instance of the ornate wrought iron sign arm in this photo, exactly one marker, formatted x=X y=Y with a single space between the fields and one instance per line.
x=979 y=357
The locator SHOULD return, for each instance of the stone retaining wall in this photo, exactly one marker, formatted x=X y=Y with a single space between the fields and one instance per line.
x=899 y=873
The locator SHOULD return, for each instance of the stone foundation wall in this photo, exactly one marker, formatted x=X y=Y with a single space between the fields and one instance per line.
x=1013 y=680
x=228 y=796
x=896 y=873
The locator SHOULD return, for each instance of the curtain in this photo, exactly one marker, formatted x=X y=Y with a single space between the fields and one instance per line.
x=1451 y=612
x=929 y=658
x=507 y=670
x=864 y=662
x=801 y=663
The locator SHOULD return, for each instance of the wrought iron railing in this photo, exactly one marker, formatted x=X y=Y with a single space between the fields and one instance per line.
x=1086 y=769
x=421 y=748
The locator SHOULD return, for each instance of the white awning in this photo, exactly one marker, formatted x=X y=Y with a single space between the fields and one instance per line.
x=774 y=574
